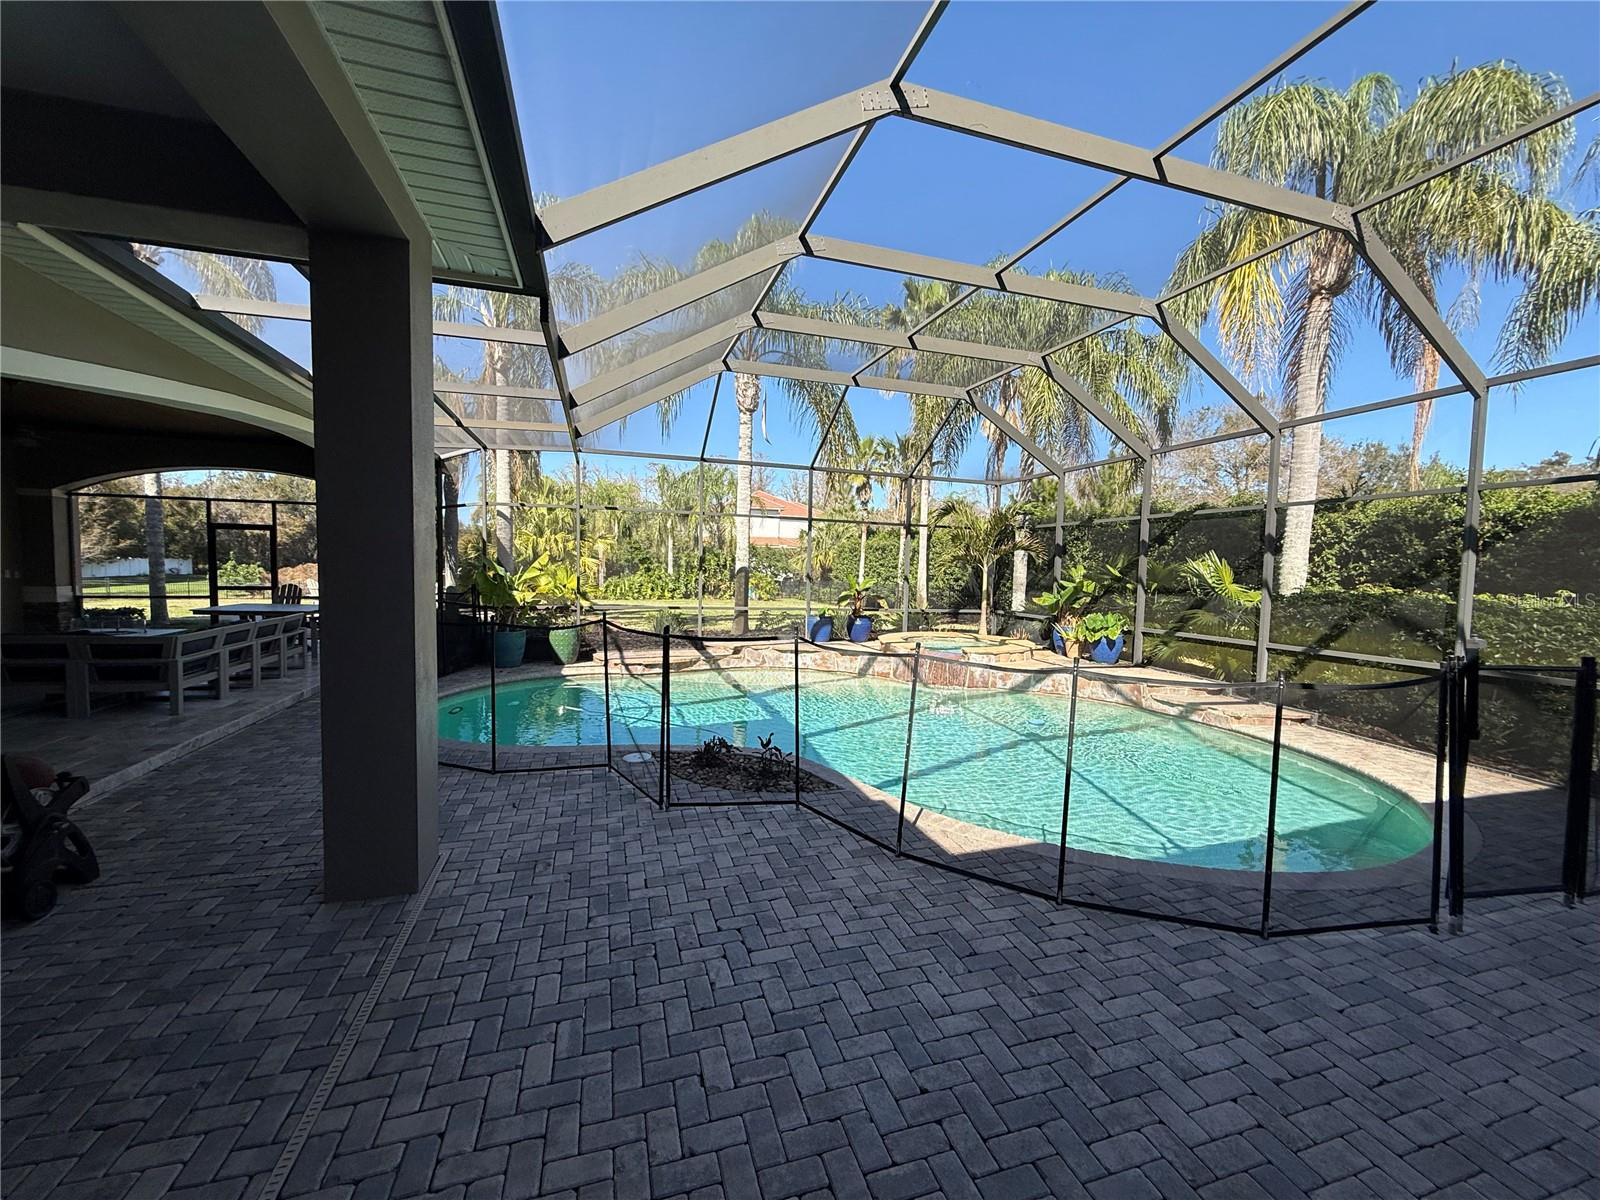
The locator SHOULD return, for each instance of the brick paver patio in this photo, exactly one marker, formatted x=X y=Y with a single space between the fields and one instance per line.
x=600 y=999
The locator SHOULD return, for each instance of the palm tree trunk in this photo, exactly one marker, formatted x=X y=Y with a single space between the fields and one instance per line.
x=904 y=560
x=1019 y=578
x=1305 y=452
x=861 y=566
x=452 y=525
x=925 y=487
x=669 y=550
x=1427 y=379
x=747 y=396
x=501 y=462
x=155 y=548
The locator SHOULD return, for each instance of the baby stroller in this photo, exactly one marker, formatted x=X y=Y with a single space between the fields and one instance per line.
x=37 y=841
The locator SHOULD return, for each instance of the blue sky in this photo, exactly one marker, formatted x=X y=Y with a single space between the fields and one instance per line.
x=606 y=89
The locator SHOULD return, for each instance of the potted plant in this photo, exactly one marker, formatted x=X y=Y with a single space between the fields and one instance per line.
x=858 y=625
x=557 y=590
x=819 y=628
x=509 y=596
x=1102 y=632
x=1066 y=604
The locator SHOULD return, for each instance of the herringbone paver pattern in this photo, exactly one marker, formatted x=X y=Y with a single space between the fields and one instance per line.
x=602 y=999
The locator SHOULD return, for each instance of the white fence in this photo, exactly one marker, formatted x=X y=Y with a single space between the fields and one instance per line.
x=122 y=568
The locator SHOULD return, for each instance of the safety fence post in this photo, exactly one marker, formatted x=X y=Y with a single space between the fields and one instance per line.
x=797 y=720
x=1461 y=730
x=905 y=772
x=494 y=728
x=1066 y=785
x=1441 y=753
x=664 y=774
x=1580 y=785
x=605 y=670
x=1272 y=809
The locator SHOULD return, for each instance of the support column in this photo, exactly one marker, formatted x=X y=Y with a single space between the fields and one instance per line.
x=44 y=556
x=371 y=340
x=1269 y=554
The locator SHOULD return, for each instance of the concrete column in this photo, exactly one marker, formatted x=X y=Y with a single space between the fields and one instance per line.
x=372 y=350
x=42 y=557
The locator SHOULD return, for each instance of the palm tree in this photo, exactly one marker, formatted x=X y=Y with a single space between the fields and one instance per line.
x=1493 y=217
x=981 y=538
x=869 y=465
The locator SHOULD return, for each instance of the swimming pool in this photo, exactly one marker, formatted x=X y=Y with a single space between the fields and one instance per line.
x=1145 y=785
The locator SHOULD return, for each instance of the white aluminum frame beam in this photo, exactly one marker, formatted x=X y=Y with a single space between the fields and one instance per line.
x=881 y=383
x=619 y=377
x=1091 y=150
x=643 y=190
x=897 y=339
x=674 y=296
x=950 y=271
x=597 y=414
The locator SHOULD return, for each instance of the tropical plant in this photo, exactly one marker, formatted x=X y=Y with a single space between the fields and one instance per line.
x=557 y=588
x=856 y=596
x=1098 y=625
x=1290 y=313
x=1074 y=594
x=512 y=595
x=981 y=537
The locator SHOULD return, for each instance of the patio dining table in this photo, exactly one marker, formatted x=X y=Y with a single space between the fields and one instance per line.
x=254 y=612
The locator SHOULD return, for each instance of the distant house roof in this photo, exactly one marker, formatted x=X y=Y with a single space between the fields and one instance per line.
x=785 y=508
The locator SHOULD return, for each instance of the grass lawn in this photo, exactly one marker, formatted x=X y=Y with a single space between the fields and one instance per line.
x=185 y=593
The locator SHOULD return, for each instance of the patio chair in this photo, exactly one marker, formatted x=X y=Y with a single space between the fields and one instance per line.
x=269 y=646
x=239 y=654
x=174 y=664
x=38 y=842
x=296 y=641
x=289 y=593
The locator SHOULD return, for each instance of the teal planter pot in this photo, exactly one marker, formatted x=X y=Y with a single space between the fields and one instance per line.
x=509 y=647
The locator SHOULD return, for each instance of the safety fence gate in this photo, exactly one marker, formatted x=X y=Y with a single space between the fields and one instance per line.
x=1273 y=809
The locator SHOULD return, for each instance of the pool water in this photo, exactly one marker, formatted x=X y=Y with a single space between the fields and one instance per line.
x=1144 y=785
x=949 y=641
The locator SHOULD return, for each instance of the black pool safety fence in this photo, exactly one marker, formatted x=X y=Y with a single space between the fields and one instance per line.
x=1273 y=809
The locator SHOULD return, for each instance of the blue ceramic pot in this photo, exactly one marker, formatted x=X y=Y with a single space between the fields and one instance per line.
x=860 y=628
x=819 y=629
x=1056 y=643
x=1105 y=651
x=509 y=647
